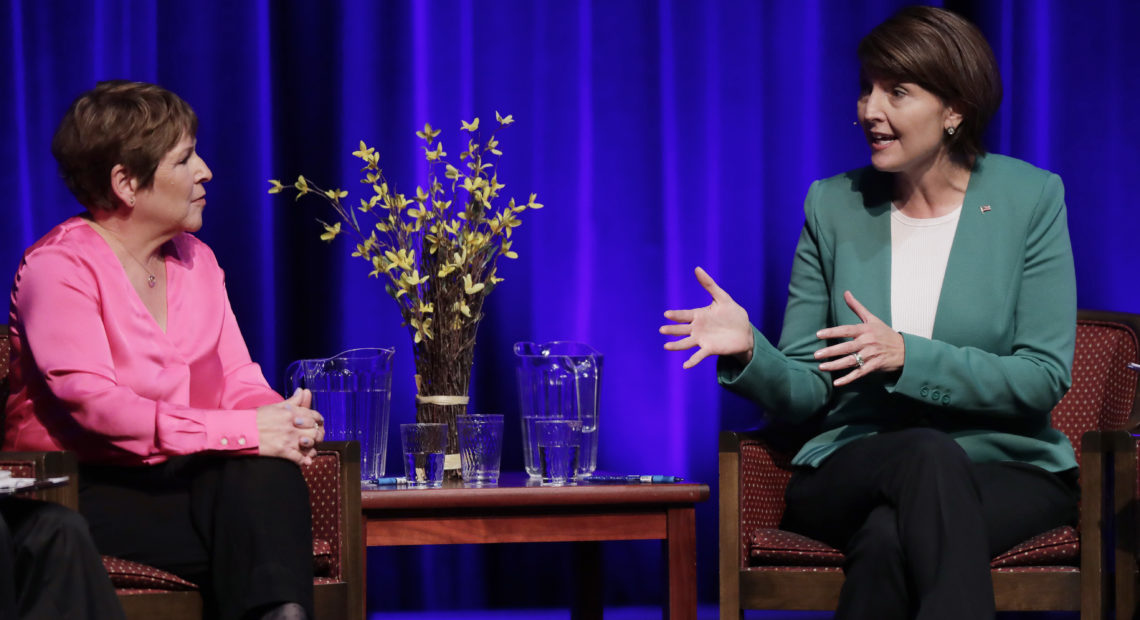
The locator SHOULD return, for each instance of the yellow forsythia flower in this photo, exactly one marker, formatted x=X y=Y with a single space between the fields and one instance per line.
x=435 y=154
x=330 y=232
x=472 y=184
x=363 y=152
x=505 y=250
x=423 y=330
x=470 y=288
x=377 y=266
x=302 y=187
x=428 y=133
x=495 y=185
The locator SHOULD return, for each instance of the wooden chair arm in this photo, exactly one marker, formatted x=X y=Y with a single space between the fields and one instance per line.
x=730 y=441
x=728 y=492
x=350 y=527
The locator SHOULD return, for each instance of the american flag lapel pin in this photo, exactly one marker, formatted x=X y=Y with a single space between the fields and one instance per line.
x=985 y=208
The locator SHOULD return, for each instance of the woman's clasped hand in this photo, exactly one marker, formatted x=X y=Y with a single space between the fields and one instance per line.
x=290 y=429
x=723 y=328
x=872 y=346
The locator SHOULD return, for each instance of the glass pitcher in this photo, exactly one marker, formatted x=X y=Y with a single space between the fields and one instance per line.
x=353 y=391
x=560 y=379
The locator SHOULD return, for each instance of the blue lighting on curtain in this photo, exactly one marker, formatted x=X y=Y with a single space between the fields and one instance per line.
x=712 y=144
x=811 y=87
x=659 y=135
x=266 y=206
x=353 y=124
x=98 y=30
x=23 y=184
x=421 y=63
x=675 y=432
x=1042 y=69
x=468 y=56
x=1004 y=55
x=583 y=273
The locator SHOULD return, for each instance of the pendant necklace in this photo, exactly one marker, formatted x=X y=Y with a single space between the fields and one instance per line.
x=151 y=279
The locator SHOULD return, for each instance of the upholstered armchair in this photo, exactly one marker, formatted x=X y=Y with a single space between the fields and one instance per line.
x=763 y=567
x=147 y=592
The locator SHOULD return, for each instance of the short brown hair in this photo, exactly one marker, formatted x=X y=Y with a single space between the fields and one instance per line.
x=118 y=122
x=945 y=54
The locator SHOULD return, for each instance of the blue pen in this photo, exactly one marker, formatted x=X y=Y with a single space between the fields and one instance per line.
x=632 y=478
x=391 y=481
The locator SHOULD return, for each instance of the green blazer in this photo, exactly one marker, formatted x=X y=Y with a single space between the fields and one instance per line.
x=1002 y=349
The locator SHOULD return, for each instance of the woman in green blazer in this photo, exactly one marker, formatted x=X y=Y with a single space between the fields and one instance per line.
x=929 y=331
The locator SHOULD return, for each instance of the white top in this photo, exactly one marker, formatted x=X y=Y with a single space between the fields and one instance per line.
x=920 y=249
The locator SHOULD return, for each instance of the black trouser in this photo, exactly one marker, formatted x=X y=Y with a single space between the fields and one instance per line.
x=918 y=522
x=49 y=567
x=239 y=527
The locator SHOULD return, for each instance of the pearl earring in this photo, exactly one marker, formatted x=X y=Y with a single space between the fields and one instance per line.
x=950 y=131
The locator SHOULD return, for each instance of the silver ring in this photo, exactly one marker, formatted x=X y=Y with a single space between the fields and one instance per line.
x=858 y=359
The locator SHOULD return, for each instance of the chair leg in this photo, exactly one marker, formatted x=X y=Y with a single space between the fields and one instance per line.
x=1094 y=576
x=730 y=542
x=1125 y=509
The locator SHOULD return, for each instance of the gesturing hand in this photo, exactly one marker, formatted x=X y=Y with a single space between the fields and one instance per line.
x=873 y=342
x=720 y=328
x=290 y=429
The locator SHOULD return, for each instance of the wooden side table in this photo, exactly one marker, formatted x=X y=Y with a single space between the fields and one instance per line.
x=520 y=511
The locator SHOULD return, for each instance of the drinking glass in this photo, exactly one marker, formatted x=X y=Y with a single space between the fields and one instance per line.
x=559 y=448
x=480 y=448
x=424 y=445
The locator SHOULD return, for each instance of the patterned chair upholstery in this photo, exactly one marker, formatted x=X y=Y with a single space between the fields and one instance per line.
x=147 y=592
x=763 y=567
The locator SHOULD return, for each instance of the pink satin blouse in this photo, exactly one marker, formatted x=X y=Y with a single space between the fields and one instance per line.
x=92 y=371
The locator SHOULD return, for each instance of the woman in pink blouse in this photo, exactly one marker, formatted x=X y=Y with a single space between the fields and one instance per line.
x=125 y=351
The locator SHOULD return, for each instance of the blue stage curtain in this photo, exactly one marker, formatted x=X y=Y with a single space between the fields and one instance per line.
x=659 y=135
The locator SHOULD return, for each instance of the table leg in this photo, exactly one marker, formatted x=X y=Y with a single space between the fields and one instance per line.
x=587 y=603
x=364 y=568
x=681 y=558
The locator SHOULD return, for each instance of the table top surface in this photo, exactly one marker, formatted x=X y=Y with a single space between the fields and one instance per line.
x=516 y=489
